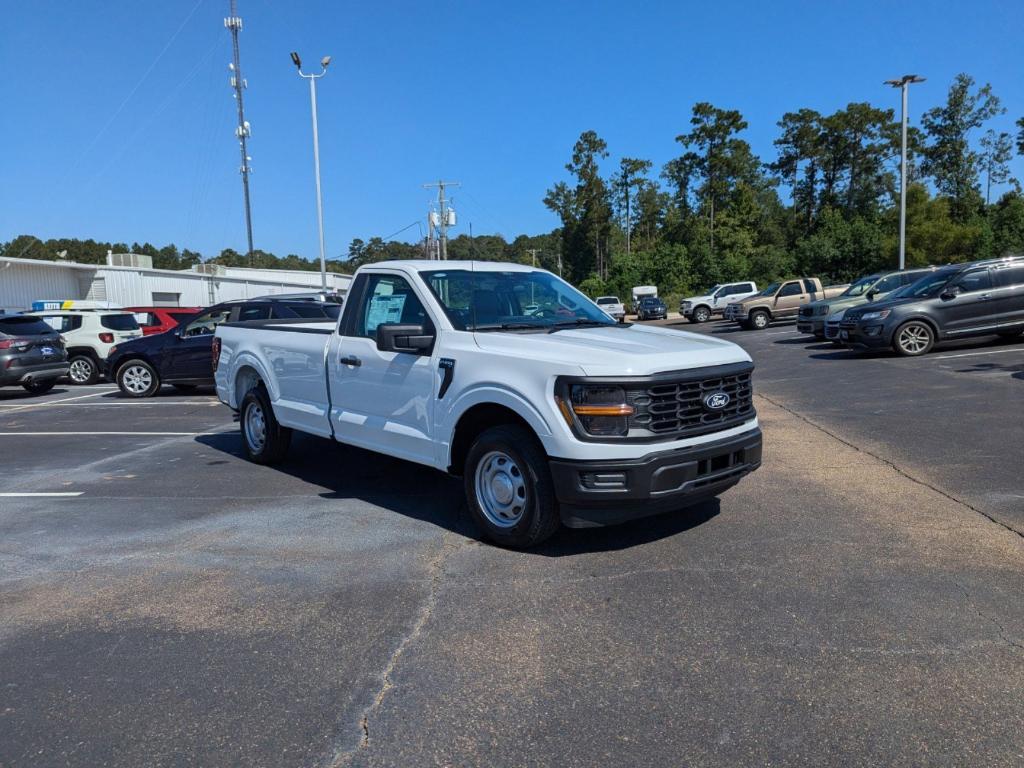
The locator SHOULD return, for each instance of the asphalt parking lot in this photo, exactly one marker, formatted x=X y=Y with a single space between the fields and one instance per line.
x=855 y=602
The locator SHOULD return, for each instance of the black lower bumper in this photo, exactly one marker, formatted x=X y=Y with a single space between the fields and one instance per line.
x=866 y=337
x=593 y=493
x=30 y=373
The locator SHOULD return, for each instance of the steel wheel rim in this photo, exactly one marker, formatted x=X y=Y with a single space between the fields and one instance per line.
x=760 y=321
x=914 y=339
x=501 y=489
x=255 y=428
x=80 y=371
x=137 y=379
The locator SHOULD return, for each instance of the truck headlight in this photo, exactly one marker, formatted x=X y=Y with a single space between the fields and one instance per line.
x=600 y=410
x=879 y=315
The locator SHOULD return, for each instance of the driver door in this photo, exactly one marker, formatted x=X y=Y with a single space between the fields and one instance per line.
x=190 y=357
x=383 y=401
x=789 y=299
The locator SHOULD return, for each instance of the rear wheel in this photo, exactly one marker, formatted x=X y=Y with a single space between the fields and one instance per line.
x=39 y=387
x=509 y=489
x=759 y=320
x=137 y=378
x=264 y=440
x=702 y=314
x=913 y=339
x=83 y=370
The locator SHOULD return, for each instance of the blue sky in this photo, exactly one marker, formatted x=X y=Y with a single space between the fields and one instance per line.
x=118 y=118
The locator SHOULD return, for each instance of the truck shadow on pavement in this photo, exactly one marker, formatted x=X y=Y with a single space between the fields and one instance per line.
x=425 y=494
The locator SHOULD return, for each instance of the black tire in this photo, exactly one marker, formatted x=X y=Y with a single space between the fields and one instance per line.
x=701 y=314
x=511 y=456
x=913 y=339
x=819 y=335
x=137 y=378
x=271 y=446
x=759 y=320
x=746 y=325
x=39 y=387
x=83 y=369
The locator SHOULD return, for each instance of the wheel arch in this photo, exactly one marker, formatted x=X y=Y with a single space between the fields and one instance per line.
x=920 y=318
x=473 y=421
x=246 y=372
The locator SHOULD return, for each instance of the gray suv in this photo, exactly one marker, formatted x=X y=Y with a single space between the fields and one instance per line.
x=32 y=354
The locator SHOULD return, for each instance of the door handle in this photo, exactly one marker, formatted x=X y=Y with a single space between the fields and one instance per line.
x=985 y=296
x=351 y=360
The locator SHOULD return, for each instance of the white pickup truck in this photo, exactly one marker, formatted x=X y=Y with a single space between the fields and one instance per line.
x=556 y=415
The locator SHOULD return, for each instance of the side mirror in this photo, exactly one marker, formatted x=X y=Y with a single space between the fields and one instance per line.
x=402 y=337
x=870 y=295
x=950 y=292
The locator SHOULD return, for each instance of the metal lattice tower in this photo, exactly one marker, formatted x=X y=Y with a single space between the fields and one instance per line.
x=234 y=23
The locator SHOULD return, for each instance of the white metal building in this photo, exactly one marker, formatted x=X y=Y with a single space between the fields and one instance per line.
x=23 y=281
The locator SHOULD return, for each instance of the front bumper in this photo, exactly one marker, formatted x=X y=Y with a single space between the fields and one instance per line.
x=811 y=325
x=29 y=373
x=735 y=313
x=871 y=335
x=595 y=493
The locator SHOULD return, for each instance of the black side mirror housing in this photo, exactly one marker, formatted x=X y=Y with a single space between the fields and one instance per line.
x=404 y=337
x=870 y=295
x=950 y=292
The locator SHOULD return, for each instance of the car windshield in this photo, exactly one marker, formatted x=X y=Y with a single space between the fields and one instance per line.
x=927 y=286
x=490 y=300
x=712 y=289
x=603 y=300
x=770 y=290
x=860 y=287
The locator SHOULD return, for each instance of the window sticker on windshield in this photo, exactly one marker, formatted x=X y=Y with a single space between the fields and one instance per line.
x=54 y=322
x=384 y=310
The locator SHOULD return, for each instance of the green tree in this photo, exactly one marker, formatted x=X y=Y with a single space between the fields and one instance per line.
x=632 y=174
x=949 y=159
x=994 y=159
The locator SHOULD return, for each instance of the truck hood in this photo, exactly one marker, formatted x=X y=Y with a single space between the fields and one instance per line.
x=698 y=299
x=617 y=351
x=758 y=299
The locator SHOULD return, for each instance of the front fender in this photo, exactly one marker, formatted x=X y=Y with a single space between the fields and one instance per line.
x=494 y=394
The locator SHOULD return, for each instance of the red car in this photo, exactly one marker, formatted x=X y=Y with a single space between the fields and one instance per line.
x=159 y=319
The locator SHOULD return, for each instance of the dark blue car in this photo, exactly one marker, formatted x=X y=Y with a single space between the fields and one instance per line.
x=183 y=356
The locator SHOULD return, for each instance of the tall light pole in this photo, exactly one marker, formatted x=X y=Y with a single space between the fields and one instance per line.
x=316 y=157
x=902 y=84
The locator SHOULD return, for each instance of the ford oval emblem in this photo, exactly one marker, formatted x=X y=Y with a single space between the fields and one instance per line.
x=716 y=401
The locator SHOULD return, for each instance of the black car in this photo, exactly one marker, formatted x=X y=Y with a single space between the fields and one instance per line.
x=32 y=354
x=183 y=356
x=958 y=301
x=651 y=308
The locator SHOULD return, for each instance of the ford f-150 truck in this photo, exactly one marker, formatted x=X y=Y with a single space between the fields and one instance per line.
x=556 y=415
x=779 y=301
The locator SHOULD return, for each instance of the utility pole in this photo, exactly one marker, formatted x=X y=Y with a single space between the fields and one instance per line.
x=234 y=23
x=902 y=84
x=533 y=254
x=445 y=215
x=316 y=158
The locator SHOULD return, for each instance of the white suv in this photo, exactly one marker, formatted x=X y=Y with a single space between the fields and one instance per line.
x=699 y=309
x=88 y=336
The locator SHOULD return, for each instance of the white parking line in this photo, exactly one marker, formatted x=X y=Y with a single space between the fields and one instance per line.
x=56 y=402
x=40 y=495
x=114 y=403
x=91 y=434
x=972 y=354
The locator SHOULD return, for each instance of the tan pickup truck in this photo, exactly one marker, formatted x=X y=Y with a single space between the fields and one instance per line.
x=779 y=301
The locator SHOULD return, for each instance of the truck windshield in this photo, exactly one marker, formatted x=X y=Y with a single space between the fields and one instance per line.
x=770 y=290
x=489 y=300
x=860 y=287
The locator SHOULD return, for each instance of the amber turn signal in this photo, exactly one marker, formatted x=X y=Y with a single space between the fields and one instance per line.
x=620 y=409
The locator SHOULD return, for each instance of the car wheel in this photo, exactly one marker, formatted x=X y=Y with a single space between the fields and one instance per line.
x=913 y=339
x=759 y=320
x=746 y=325
x=264 y=440
x=83 y=370
x=820 y=336
x=509 y=489
x=137 y=378
x=39 y=387
x=702 y=314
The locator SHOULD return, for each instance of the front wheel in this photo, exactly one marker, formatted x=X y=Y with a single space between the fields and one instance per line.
x=39 y=387
x=913 y=339
x=702 y=314
x=83 y=370
x=264 y=440
x=759 y=320
x=509 y=489
x=137 y=378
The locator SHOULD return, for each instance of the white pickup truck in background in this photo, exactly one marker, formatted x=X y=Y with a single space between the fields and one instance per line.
x=554 y=416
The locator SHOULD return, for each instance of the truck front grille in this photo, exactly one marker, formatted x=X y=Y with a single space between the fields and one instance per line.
x=673 y=405
x=806 y=311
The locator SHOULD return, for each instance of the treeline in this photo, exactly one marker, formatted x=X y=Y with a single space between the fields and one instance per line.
x=715 y=212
